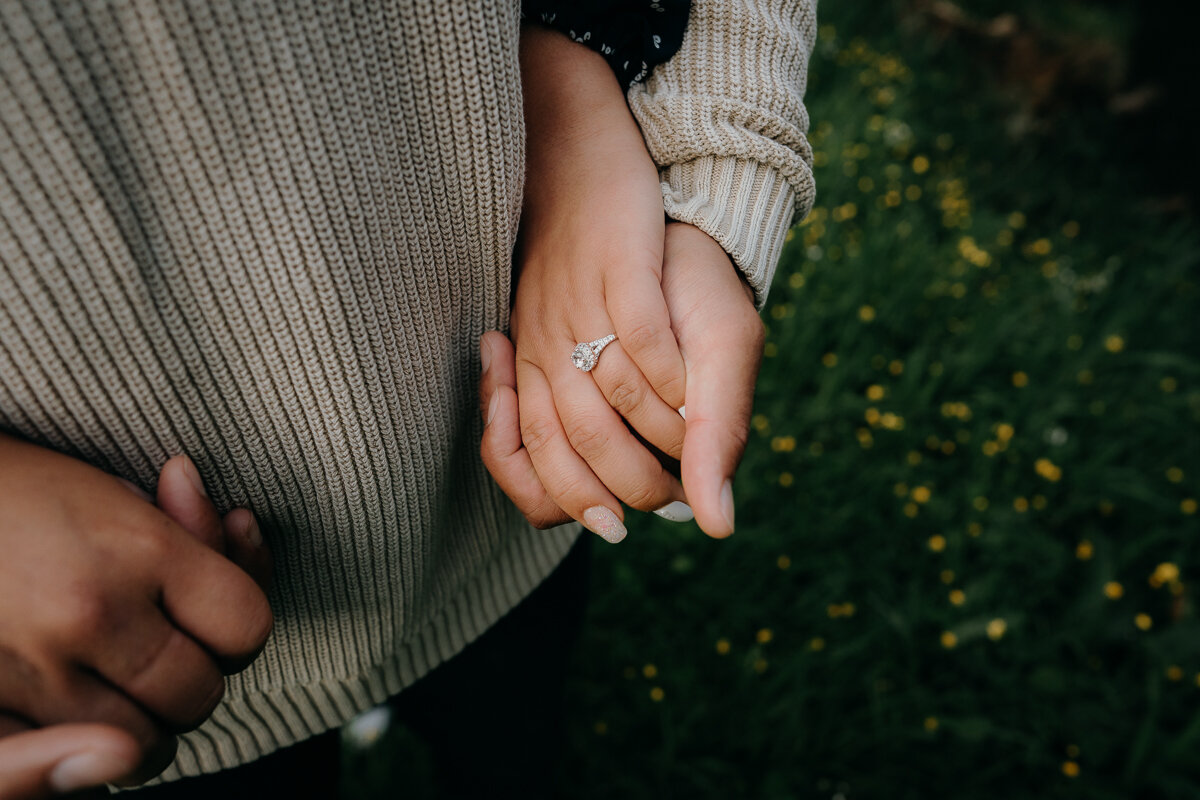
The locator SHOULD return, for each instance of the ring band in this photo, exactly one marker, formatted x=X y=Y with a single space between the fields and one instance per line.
x=586 y=354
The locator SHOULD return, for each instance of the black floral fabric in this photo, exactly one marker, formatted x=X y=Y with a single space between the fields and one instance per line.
x=633 y=35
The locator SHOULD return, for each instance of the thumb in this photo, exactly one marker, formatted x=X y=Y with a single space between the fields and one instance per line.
x=64 y=758
x=182 y=497
x=720 y=396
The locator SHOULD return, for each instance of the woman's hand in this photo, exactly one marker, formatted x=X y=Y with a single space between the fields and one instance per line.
x=720 y=335
x=589 y=260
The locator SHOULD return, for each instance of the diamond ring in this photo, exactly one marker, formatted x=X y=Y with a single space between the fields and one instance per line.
x=585 y=354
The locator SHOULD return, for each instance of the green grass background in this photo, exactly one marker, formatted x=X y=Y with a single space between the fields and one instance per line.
x=974 y=464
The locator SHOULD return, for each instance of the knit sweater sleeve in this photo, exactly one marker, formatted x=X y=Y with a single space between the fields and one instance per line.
x=725 y=121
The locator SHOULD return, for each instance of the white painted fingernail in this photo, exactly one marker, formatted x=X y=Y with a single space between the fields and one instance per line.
x=681 y=408
x=495 y=401
x=604 y=522
x=85 y=770
x=676 y=511
x=727 y=503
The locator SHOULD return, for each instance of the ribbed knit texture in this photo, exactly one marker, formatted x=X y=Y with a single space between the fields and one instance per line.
x=725 y=121
x=270 y=239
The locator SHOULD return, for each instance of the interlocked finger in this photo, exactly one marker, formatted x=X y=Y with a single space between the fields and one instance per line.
x=631 y=395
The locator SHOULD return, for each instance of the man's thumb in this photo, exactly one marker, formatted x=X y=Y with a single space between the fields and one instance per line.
x=64 y=758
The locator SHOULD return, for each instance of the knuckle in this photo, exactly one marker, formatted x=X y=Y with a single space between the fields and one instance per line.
x=641 y=337
x=84 y=613
x=626 y=397
x=536 y=433
x=589 y=440
x=645 y=497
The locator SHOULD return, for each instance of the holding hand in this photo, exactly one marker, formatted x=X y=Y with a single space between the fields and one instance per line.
x=117 y=613
x=590 y=260
x=720 y=336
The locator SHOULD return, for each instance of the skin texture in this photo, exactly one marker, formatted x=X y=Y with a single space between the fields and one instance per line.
x=590 y=263
x=595 y=258
x=720 y=337
x=119 y=618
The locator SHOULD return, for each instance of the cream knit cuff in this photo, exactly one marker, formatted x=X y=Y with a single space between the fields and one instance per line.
x=746 y=206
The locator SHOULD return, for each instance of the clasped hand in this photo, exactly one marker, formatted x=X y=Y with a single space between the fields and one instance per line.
x=119 y=618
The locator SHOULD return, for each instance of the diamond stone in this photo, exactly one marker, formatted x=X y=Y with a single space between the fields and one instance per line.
x=583 y=357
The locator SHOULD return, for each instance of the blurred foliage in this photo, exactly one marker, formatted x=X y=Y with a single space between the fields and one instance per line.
x=967 y=518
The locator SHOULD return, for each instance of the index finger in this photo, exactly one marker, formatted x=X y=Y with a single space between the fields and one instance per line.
x=215 y=602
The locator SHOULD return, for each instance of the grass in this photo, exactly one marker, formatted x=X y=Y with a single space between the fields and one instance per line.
x=967 y=516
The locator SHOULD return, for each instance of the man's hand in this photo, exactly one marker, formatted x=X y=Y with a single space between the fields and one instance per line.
x=720 y=337
x=114 y=612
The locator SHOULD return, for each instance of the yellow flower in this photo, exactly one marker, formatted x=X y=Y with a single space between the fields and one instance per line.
x=829 y=359
x=866 y=313
x=911 y=510
x=1143 y=621
x=949 y=640
x=1174 y=673
x=764 y=635
x=1047 y=469
x=990 y=448
x=895 y=366
x=1114 y=344
x=1114 y=590
x=785 y=479
x=957 y=597
x=875 y=392
x=920 y=165
x=1175 y=475
x=937 y=543
x=914 y=458
x=1016 y=220
x=649 y=671
x=1168 y=384
x=1165 y=572
x=723 y=647
x=947 y=576
x=783 y=562
x=980 y=503
x=1040 y=247
x=1020 y=504
x=1187 y=505
x=1084 y=550
x=657 y=694
x=931 y=724
x=1070 y=769
x=996 y=629
x=1005 y=432
x=921 y=494
x=974 y=528
x=760 y=665
x=1070 y=229
x=872 y=416
x=1020 y=379
x=816 y=644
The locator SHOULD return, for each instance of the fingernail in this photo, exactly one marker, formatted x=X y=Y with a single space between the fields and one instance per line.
x=193 y=475
x=727 y=503
x=604 y=522
x=495 y=401
x=84 y=770
x=676 y=511
x=254 y=533
x=485 y=355
x=681 y=408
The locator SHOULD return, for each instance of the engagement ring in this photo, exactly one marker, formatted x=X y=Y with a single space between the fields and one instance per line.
x=585 y=354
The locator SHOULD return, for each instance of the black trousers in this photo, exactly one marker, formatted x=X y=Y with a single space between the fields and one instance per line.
x=493 y=716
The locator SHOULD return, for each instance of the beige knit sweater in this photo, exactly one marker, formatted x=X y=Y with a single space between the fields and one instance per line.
x=269 y=235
